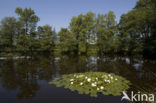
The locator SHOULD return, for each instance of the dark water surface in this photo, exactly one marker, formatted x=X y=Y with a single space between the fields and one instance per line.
x=25 y=80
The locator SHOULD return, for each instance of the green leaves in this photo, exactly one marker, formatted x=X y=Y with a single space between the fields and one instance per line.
x=137 y=28
x=47 y=38
x=8 y=33
x=93 y=83
x=27 y=21
x=106 y=33
x=66 y=42
x=87 y=33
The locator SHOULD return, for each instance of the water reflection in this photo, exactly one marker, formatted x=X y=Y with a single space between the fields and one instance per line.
x=24 y=75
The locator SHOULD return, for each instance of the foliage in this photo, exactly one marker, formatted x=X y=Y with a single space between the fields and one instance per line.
x=27 y=23
x=47 y=38
x=87 y=33
x=137 y=28
x=66 y=42
x=82 y=28
x=8 y=33
x=106 y=31
x=27 y=18
x=93 y=83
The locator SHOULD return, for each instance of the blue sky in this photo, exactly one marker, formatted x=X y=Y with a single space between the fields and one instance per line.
x=58 y=13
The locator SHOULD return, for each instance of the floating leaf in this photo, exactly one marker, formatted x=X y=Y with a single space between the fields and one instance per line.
x=93 y=83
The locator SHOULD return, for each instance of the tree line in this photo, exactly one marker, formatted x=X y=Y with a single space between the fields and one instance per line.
x=86 y=34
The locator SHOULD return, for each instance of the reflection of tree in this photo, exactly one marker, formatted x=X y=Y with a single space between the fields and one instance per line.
x=28 y=89
x=46 y=68
x=68 y=64
x=142 y=77
x=23 y=74
x=19 y=75
x=118 y=65
x=8 y=75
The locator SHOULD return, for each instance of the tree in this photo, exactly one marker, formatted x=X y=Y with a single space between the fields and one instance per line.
x=106 y=32
x=47 y=38
x=76 y=27
x=148 y=8
x=66 y=42
x=27 y=21
x=137 y=28
x=82 y=27
x=8 y=33
x=130 y=33
x=89 y=30
x=28 y=18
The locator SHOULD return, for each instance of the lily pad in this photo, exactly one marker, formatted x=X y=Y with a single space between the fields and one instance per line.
x=93 y=83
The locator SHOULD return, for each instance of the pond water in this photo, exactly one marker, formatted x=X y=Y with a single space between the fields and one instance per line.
x=25 y=80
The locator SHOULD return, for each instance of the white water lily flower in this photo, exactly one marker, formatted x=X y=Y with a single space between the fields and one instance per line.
x=98 y=89
x=93 y=85
x=89 y=79
x=86 y=77
x=101 y=87
x=116 y=79
x=71 y=79
x=107 y=81
x=81 y=83
x=71 y=83
x=111 y=77
x=96 y=78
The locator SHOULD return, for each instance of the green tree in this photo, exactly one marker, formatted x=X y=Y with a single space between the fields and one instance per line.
x=27 y=21
x=66 y=42
x=82 y=27
x=106 y=32
x=148 y=12
x=8 y=34
x=28 y=18
x=47 y=38
x=137 y=28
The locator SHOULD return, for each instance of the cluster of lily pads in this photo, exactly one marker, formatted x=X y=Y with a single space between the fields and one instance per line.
x=93 y=83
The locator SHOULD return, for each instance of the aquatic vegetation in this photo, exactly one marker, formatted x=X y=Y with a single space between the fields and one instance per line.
x=93 y=83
